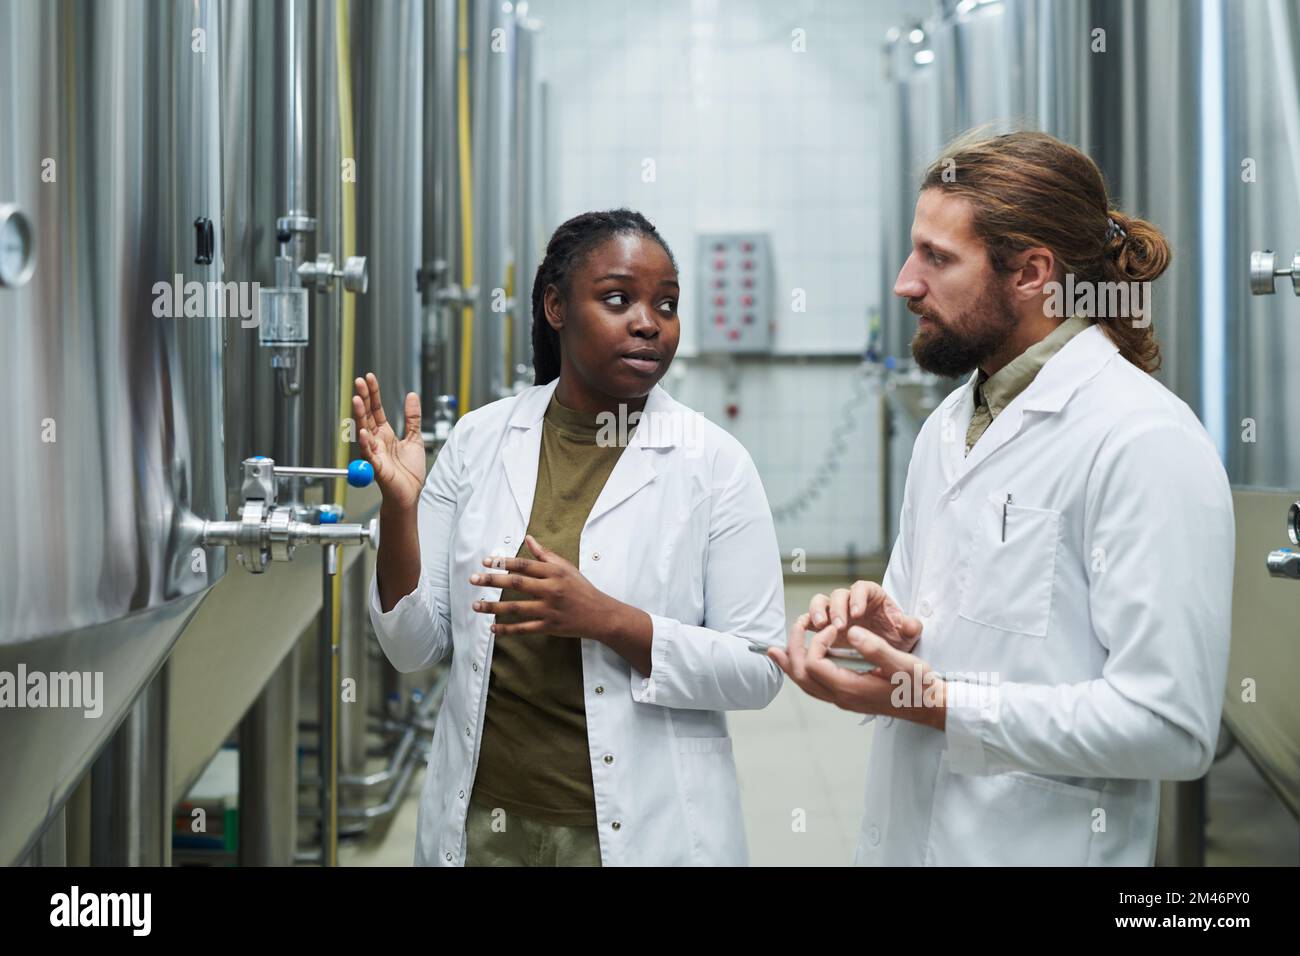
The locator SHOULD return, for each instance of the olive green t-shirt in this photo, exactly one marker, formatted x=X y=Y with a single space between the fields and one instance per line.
x=533 y=759
x=994 y=393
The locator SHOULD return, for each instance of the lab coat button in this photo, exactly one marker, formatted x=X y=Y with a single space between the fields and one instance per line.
x=462 y=794
x=616 y=825
x=467 y=733
x=448 y=857
x=507 y=539
x=600 y=688
x=609 y=758
x=595 y=556
x=873 y=836
x=925 y=609
x=476 y=665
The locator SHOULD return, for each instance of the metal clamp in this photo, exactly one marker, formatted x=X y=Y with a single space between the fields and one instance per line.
x=1264 y=272
x=1285 y=562
x=321 y=274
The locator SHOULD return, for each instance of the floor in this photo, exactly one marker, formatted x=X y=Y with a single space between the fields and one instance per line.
x=800 y=754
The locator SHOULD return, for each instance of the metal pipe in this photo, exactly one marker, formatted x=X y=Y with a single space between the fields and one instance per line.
x=51 y=847
x=327 y=697
x=131 y=806
x=268 y=799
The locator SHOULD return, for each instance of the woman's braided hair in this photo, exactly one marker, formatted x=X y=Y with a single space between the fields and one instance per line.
x=569 y=245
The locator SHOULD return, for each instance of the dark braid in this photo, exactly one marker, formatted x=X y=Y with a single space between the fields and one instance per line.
x=569 y=245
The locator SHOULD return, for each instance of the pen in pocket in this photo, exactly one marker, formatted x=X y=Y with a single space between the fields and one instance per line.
x=1004 y=516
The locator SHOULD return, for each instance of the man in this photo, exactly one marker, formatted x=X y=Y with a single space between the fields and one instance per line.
x=1051 y=634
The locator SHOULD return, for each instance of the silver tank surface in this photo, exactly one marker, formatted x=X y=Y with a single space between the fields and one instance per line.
x=111 y=149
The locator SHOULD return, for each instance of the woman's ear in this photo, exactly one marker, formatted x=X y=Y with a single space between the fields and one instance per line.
x=553 y=307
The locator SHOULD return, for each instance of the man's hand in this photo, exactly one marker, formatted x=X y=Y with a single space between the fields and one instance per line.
x=865 y=605
x=902 y=685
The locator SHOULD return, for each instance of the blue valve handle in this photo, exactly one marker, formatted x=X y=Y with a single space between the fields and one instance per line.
x=360 y=473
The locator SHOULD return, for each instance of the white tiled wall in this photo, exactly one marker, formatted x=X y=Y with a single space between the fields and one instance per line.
x=745 y=134
x=788 y=416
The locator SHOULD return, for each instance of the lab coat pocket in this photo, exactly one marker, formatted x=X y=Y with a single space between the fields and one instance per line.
x=1010 y=819
x=1008 y=583
x=712 y=797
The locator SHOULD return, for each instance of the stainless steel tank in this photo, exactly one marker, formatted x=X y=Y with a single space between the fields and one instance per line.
x=388 y=93
x=1258 y=141
x=911 y=111
x=112 y=152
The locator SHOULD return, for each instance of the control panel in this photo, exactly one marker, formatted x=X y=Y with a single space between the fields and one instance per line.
x=736 y=286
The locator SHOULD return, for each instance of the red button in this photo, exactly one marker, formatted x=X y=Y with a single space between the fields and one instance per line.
x=733 y=334
x=747 y=300
x=720 y=319
x=719 y=300
x=719 y=264
x=747 y=282
x=748 y=265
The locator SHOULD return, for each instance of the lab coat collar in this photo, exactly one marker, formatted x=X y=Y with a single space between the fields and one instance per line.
x=635 y=467
x=1077 y=362
x=530 y=409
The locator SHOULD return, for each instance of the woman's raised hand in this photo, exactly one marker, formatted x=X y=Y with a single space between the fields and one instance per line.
x=399 y=465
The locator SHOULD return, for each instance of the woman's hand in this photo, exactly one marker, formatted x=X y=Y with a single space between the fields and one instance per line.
x=559 y=600
x=399 y=465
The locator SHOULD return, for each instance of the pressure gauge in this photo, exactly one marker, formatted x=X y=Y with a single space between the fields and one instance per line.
x=17 y=247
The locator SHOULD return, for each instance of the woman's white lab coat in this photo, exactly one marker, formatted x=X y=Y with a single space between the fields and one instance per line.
x=681 y=530
x=1090 y=646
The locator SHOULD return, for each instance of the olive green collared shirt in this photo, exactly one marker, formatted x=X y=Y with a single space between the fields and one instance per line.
x=533 y=760
x=995 y=392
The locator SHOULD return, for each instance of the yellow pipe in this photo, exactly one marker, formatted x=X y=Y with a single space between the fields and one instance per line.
x=508 y=353
x=466 y=201
x=347 y=357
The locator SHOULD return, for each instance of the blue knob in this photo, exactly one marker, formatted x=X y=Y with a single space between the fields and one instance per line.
x=360 y=473
x=329 y=517
x=259 y=458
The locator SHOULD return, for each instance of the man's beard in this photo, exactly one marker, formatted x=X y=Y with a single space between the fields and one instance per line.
x=954 y=346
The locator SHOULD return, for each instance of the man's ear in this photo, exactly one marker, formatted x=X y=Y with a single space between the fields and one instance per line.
x=553 y=307
x=1036 y=267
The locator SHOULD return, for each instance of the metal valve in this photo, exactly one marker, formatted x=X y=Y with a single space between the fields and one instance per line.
x=1264 y=272
x=452 y=295
x=266 y=532
x=1285 y=562
x=321 y=273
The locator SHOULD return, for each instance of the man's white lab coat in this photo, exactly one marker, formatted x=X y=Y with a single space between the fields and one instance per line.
x=681 y=530
x=1090 y=648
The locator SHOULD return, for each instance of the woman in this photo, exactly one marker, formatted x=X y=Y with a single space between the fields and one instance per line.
x=596 y=576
